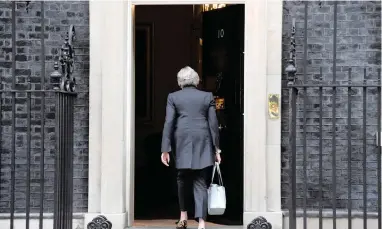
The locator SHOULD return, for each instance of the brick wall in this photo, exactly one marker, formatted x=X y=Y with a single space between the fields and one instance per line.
x=358 y=47
x=58 y=17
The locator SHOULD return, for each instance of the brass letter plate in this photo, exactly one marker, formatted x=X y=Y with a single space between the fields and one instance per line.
x=274 y=106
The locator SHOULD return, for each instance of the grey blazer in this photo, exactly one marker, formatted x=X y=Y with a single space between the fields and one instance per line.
x=191 y=127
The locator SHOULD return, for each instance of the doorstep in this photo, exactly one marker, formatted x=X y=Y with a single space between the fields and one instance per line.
x=170 y=223
x=190 y=227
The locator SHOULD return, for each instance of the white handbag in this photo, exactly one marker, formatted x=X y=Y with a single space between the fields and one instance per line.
x=216 y=194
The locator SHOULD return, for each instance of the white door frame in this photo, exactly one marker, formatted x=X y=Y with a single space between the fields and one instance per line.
x=111 y=166
x=130 y=86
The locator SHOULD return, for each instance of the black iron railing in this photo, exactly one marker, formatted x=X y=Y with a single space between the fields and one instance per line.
x=28 y=143
x=36 y=137
x=329 y=134
x=334 y=148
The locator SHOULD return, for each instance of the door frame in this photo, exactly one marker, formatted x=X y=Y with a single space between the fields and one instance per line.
x=111 y=119
x=260 y=145
x=130 y=86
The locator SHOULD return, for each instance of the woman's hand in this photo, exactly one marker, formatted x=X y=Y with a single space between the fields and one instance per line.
x=218 y=159
x=165 y=157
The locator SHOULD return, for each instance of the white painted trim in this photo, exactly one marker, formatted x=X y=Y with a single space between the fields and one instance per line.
x=273 y=153
x=95 y=109
x=255 y=103
x=129 y=111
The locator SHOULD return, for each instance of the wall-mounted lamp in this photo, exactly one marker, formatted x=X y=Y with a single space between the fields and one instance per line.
x=208 y=7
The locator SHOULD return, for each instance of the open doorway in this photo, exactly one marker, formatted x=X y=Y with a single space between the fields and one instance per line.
x=210 y=39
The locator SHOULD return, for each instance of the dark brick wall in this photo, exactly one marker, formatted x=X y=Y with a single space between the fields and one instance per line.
x=58 y=17
x=358 y=47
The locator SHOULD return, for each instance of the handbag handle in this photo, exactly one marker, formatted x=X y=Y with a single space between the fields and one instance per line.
x=217 y=168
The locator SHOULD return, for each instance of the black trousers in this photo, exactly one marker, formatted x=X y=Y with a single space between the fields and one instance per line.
x=198 y=178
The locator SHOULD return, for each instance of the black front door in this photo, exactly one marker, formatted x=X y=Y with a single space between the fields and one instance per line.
x=223 y=63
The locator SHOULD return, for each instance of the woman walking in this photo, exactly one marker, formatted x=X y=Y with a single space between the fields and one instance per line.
x=191 y=131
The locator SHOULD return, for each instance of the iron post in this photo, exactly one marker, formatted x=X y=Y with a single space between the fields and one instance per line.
x=291 y=65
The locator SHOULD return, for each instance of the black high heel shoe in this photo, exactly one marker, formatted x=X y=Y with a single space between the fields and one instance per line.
x=181 y=224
